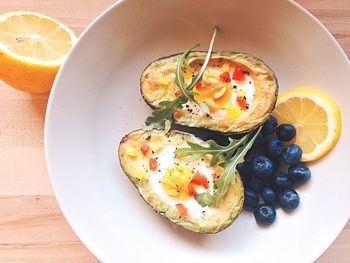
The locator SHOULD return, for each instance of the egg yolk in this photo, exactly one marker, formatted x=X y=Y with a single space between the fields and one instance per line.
x=175 y=182
x=219 y=93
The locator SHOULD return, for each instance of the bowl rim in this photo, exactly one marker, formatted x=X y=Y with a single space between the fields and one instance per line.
x=54 y=89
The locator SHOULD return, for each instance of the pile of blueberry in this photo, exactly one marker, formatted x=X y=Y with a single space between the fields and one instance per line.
x=270 y=171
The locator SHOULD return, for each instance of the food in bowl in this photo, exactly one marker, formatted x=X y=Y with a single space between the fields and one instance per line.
x=202 y=186
x=169 y=182
x=240 y=90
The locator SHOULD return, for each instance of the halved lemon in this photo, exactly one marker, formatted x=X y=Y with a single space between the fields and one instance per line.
x=32 y=48
x=316 y=117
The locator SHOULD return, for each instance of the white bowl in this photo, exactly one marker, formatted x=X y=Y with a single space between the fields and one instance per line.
x=96 y=100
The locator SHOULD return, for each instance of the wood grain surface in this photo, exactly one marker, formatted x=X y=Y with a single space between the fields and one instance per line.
x=32 y=227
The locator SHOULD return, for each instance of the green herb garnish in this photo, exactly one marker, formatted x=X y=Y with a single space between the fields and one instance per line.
x=222 y=184
x=162 y=118
x=197 y=151
x=179 y=78
x=232 y=155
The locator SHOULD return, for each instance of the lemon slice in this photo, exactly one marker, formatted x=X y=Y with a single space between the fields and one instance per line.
x=316 y=117
x=32 y=48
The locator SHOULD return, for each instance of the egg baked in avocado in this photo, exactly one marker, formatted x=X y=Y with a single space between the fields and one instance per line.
x=240 y=90
x=169 y=182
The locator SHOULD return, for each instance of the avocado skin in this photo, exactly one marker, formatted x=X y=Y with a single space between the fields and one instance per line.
x=236 y=187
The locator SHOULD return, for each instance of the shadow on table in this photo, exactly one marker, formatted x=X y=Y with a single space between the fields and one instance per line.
x=39 y=104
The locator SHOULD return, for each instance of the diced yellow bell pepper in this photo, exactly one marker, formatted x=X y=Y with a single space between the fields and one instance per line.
x=140 y=175
x=131 y=151
x=164 y=81
x=241 y=93
x=212 y=75
x=232 y=112
x=225 y=68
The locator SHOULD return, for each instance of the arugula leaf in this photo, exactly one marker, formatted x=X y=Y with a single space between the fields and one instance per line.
x=204 y=199
x=187 y=92
x=180 y=81
x=222 y=184
x=197 y=151
x=162 y=118
x=198 y=77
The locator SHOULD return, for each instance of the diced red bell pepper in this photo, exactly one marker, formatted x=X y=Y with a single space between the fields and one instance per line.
x=225 y=77
x=241 y=102
x=178 y=93
x=182 y=209
x=238 y=74
x=200 y=87
x=200 y=179
x=191 y=190
x=144 y=148
x=153 y=164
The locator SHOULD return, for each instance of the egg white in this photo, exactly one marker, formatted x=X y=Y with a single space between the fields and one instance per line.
x=166 y=160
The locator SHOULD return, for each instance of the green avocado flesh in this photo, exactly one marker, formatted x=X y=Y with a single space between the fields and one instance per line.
x=237 y=104
x=148 y=159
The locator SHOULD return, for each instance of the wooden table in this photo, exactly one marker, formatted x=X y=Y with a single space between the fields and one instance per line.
x=32 y=227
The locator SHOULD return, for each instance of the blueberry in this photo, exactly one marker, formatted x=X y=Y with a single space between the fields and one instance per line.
x=244 y=172
x=246 y=180
x=249 y=156
x=269 y=195
x=243 y=169
x=256 y=184
x=260 y=140
x=275 y=165
x=260 y=151
x=251 y=200
x=292 y=154
x=289 y=200
x=269 y=126
x=299 y=173
x=265 y=214
x=274 y=147
x=261 y=166
x=285 y=132
x=280 y=180
x=252 y=153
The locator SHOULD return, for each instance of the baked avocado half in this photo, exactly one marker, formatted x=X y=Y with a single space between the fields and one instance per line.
x=239 y=89
x=168 y=182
